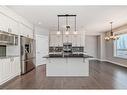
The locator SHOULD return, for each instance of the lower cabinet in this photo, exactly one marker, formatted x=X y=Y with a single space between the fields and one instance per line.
x=9 y=68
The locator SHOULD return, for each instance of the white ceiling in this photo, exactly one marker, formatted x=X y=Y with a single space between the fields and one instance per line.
x=93 y=19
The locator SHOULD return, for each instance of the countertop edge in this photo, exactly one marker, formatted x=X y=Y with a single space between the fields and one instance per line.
x=85 y=56
x=10 y=56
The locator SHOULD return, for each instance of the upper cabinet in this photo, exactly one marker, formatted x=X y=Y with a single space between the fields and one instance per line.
x=58 y=40
x=26 y=31
x=3 y=23
x=12 y=26
x=8 y=25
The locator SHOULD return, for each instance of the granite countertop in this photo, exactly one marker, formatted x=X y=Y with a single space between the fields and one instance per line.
x=8 y=56
x=68 y=56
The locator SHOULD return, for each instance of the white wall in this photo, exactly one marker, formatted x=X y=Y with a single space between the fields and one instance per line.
x=91 y=45
x=41 y=49
x=110 y=56
x=41 y=45
x=106 y=50
x=41 y=31
x=101 y=47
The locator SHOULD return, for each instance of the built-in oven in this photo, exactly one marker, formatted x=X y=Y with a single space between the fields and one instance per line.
x=67 y=49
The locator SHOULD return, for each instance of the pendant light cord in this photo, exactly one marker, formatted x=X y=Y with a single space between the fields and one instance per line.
x=66 y=23
x=58 y=23
x=75 y=23
x=111 y=29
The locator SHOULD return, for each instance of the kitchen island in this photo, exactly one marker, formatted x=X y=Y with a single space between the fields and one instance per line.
x=69 y=65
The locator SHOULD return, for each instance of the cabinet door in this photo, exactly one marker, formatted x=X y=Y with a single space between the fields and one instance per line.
x=13 y=26
x=6 y=69
x=1 y=70
x=65 y=38
x=75 y=40
x=25 y=31
x=9 y=68
x=53 y=40
x=3 y=23
x=59 y=40
x=12 y=66
x=17 y=68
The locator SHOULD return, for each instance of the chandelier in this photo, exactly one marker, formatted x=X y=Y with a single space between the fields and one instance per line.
x=111 y=35
x=68 y=27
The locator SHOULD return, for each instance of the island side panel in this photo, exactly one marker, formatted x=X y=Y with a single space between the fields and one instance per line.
x=78 y=67
x=56 y=67
x=67 y=67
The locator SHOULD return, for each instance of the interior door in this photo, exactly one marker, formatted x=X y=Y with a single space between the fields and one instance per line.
x=41 y=49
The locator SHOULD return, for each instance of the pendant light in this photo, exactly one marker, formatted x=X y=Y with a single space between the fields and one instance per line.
x=67 y=26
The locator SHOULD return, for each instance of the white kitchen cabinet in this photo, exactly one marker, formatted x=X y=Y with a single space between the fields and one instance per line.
x=25 y=31
x=13 y=26
x=1 y=69
x=59 y=40
x=66 y=38
x=5 y=70
x=53 y=40
x=3 y=23
x=15 y=66
x=8 y=25
x=9 y=68
x=76 y=40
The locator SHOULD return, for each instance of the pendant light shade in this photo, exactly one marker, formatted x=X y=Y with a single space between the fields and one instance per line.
x=75 y=32
x=66 y=32
x=58 y=33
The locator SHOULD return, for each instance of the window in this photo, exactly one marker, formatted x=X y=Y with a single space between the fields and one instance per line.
x=121 y=46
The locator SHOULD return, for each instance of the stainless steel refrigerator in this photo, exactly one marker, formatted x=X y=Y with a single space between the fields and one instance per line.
x=27 y=54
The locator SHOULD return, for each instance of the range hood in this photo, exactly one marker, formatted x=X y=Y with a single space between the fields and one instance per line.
x=8 y=38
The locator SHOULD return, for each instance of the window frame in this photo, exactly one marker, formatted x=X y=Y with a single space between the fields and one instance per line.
x=115 y=49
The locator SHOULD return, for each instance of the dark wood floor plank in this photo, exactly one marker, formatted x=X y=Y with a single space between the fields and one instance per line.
x=103 y=75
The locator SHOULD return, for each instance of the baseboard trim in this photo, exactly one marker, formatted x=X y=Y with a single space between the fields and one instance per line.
x=9 y=78
x=116 y=63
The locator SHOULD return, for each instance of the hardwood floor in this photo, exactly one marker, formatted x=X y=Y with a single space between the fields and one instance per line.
x=103 y=75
